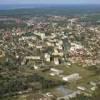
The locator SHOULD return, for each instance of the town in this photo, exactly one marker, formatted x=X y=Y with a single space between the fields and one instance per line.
x=49 y=58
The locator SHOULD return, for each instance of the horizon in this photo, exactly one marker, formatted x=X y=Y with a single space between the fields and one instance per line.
x=3 y=2
x=49 y=4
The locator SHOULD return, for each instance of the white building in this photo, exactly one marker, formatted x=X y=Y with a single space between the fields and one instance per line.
x=71 y=77
x=32 y=57
x=81 y=88
x=47 y=57
x=56 y=71
x=56 y=60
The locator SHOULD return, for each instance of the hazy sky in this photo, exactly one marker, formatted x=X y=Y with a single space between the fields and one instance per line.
x=49 y=1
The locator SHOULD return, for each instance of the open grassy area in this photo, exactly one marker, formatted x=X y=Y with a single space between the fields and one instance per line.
x=87 y=75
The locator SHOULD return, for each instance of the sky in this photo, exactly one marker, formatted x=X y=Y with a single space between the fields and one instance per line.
x=49 y=1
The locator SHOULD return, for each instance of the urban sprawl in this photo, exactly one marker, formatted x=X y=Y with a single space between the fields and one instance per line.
x=52 y=58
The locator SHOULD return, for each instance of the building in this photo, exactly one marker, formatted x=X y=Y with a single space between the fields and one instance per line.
x=71 y=77
x=47 y=57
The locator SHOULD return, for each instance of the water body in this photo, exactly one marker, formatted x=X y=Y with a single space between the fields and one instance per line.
x=64 y=90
